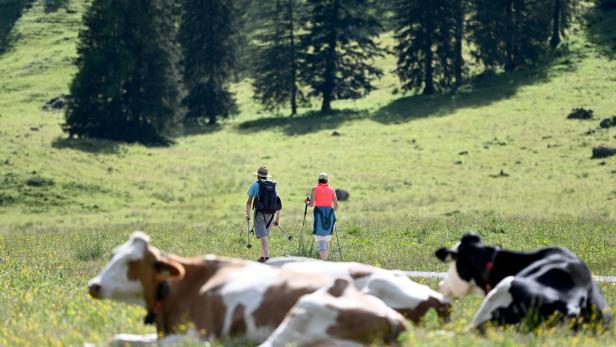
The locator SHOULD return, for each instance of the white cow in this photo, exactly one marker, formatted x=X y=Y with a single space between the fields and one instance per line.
x=409 y=298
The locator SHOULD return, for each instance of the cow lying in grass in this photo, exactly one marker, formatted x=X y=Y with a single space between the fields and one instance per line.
x=409 y=298
x=537 y=284
x=223 y=297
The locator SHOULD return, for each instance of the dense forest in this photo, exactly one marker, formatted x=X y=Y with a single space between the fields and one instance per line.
x=146 y=66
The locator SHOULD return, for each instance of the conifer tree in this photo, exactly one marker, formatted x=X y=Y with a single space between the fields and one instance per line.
x=208 y=36
x=510 y=33
x=276 y=71
x=562 y=13
x=426 y=44
x=459 y=12
x=127 y=85
x=339 y=49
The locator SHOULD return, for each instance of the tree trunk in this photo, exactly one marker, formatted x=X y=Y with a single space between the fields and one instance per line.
x=330 y=64
x=556 y=19
x=429 y=69
x=293 y=61
x=510 y=45
x=459 y=32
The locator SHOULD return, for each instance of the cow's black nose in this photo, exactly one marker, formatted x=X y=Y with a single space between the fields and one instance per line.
x=95 y=290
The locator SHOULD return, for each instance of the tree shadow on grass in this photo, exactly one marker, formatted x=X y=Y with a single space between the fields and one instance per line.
x=87 y=145
x=601 y=30
x=10 y=12
x=305 y=124
x=196 y=128
x=484 y=90
x=55 y=5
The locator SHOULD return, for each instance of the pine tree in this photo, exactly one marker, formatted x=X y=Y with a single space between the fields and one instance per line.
x=563 y=11
x=339 y=49
x=459 y=11
x=510 y=33
x=127 y=85
x=208 y=35
x=426 y=33
x=276 y=71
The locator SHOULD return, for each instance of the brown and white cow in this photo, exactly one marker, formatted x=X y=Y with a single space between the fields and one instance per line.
x=399 y=292
x=223 y=297
x=339 y=311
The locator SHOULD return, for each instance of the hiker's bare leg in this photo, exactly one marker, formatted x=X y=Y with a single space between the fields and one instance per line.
x=323 y=249
x=264 y=247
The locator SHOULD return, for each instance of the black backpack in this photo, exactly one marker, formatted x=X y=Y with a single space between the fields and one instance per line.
x=267 y=201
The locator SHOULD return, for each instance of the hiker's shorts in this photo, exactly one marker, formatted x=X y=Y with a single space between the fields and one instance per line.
x=261 y=220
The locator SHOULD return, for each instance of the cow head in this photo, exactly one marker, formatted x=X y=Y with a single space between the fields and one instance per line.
x=469 y=263
x=134 y=272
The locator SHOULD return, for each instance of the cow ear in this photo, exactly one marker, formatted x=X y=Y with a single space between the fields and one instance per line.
x=167 y=269
x=470 y=238
x=445 y=255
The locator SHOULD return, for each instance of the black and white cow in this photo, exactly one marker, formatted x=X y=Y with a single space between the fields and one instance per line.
x=542 y=282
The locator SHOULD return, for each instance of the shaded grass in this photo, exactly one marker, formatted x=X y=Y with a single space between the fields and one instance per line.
x=10 y=12
x=486 y=89
x=601 y=30
x=87 y=145
x=308 y=123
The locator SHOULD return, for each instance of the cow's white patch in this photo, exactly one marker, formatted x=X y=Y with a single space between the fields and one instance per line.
x=397 y=291
x=391 y=286
x=308 y=321
x=131 y=340
x=497 y=297
x=113 y=279
x=453 y=286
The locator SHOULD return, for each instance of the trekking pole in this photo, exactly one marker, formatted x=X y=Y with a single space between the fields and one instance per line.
x=339 y=249
x=301 y=233
x=248 y=245
x=289 y=237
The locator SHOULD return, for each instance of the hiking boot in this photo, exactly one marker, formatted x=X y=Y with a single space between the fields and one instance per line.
x=263 y=259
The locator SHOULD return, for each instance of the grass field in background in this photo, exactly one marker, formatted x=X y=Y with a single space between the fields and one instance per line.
x=420 y=171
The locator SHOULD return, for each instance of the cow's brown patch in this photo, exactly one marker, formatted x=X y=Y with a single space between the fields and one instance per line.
x=357 y=271
x=238 y=324
x=364 y=326
x=338 y=288
x=355 y=274
x=278 y=300
x=139 y=270
x=443 y=309
x=212 y=317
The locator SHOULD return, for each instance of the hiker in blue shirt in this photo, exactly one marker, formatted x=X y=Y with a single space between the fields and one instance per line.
x=263 y=198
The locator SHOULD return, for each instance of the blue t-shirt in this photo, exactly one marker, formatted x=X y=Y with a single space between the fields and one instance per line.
x=253 y=190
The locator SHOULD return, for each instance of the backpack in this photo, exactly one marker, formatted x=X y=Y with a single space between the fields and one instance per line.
x=267 y=201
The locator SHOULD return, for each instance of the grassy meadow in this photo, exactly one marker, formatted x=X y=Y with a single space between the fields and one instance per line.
x=498 y=157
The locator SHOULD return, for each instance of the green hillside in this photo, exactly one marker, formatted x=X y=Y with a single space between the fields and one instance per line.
x=498 y=156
